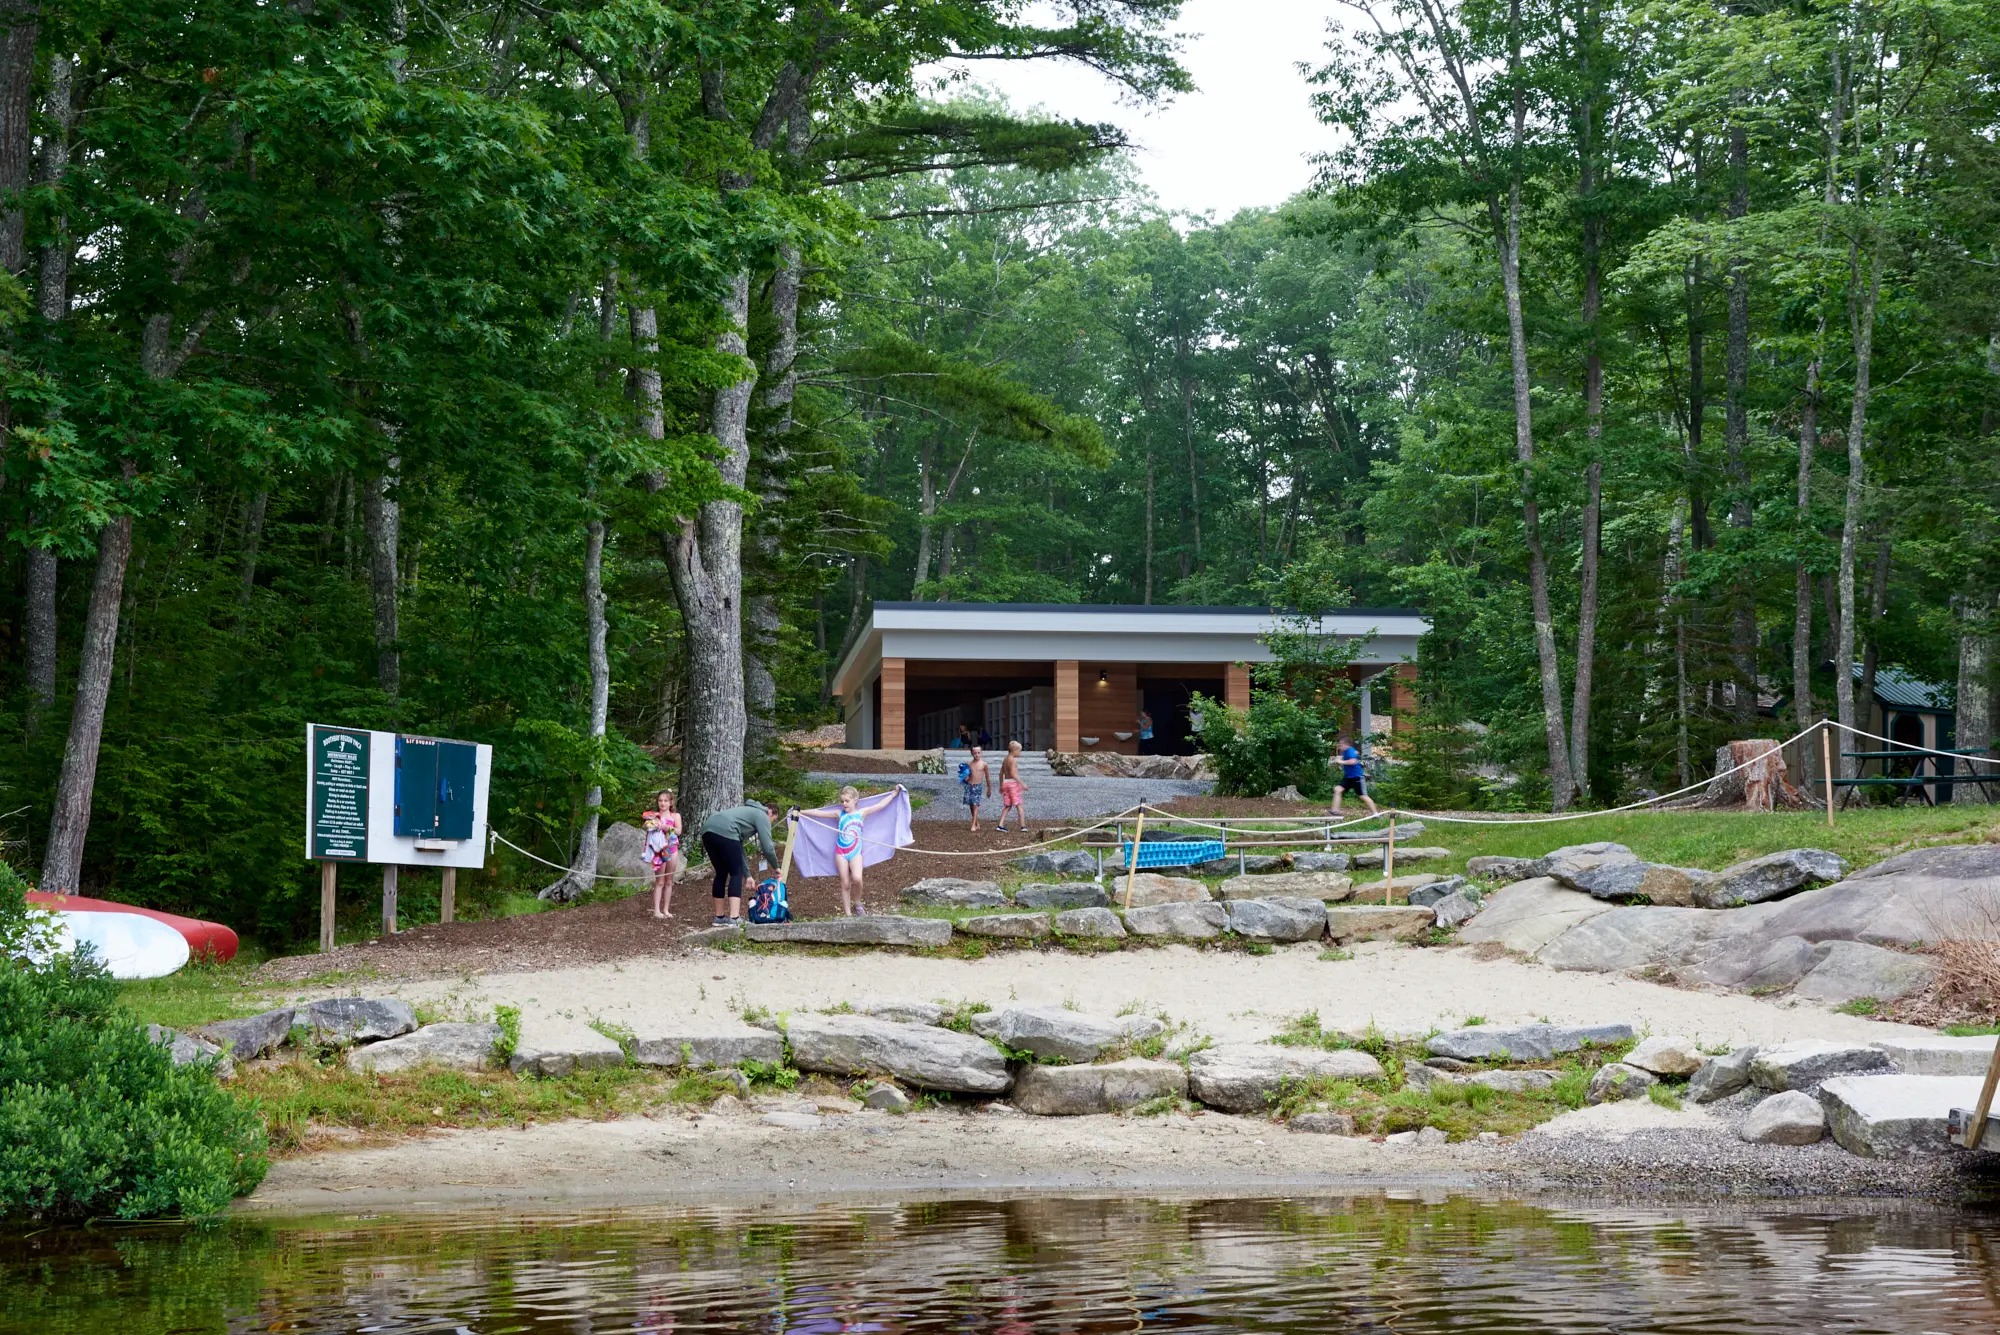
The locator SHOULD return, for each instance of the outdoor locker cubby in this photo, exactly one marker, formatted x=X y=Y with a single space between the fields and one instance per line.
x=434 y=788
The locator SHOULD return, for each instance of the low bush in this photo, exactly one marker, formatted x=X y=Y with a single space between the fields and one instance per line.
x=97 y=1120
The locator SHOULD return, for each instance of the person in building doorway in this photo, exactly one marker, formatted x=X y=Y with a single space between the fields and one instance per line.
x=965 y=740
x=722 y=837
x=1011 y=787
x=1353 y=777
x=972 y=778
x=1145 y=733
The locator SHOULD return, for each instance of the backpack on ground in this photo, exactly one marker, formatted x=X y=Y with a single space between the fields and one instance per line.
x=768 y=902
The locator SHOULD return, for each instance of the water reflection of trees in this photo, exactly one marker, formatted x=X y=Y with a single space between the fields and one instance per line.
x=1410 y=1263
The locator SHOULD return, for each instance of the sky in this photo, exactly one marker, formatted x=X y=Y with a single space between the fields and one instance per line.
x=1242 y=139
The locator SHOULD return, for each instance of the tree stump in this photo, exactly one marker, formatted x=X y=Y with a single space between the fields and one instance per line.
x=1755 y=778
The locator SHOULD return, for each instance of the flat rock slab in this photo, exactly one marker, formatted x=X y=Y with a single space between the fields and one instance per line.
x=793 y=1121
x=1377 y=922
x=1575 y=859
x=1063 y=862
x=556 y=1048
x=1062 y=895
x=186 y=1049
x=1321 y=861
x=1150 y=888
x=1790 y=1118
x=714 y=936
x=1249 y=1077
x=1628 y=939
x=1528 y=915
x=709 y=1047
x=1247 y=865
x=1846 y=970
x=1323 y=1123
x=904 y=1010
x=1090 y=924
x=1326 y=886
x=951 y=892
x=1514 y=1082
x=1939 y=1056
x=1181 y=922
x=1053 y=1033
x=1666 y=1054
x=921 y=1055
x=1753 y=964
x=1772 y=876
x=1374 y=857
x=1018 y=926
x=1076 y=1091
x=1277 y=919
x=1523 y=1042
x=460 y=1047
x=356 y=1019
x=252 y=1036
x=1895 y=1116
x=1654 y=882
x=884 y=930
x=1804 y=1063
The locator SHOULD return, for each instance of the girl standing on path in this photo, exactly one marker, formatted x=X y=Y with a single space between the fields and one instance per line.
x=848 y=818
x=668 y=868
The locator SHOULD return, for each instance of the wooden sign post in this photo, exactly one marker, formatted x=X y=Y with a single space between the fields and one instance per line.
x=448 y=895
x=329 y=873
x=388 y=899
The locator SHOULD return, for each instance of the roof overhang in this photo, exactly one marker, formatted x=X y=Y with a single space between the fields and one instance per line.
x=1120 y=633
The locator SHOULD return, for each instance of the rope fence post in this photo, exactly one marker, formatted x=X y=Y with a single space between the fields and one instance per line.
x=448 y=895
x=1826 y=767
x=1389 y=864
x=1132 y=864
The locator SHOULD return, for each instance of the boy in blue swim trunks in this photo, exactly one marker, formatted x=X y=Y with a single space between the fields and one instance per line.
x=1353 y=778
x=974 y=784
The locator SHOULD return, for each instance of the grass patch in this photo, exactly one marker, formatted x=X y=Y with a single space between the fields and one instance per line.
x=1859 y=1006
x=959 y=1019
x=1666 y=1096
x=1970 y=1030
x=1334 y=955
x=1460 y=1111
x=509 y=1020
x=199 y=993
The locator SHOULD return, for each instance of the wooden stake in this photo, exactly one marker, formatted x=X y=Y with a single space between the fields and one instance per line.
x=328 y=872
x=1132 y=863
x=1389 y=865
x=1978 y=1127
x=1826 y=765
x=791 y=842
x=388 y=899
x=448 y=896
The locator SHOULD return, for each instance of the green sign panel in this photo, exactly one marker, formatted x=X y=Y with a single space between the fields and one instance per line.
x=339 y=798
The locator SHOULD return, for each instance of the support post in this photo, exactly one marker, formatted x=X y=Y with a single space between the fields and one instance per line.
x=329 y=872
x=1389 y=865
x=1977 y=1131
x=448 y=896
x=388 y=899
x=1236 y=686
x=1069 y=706
x=895 y=715
x=1826 y=766
x=1132 y=863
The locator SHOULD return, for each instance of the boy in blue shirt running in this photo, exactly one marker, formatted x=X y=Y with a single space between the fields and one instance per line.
x=1352 y=778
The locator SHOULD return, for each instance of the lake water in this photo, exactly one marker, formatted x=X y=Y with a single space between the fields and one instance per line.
x=1381 y=1262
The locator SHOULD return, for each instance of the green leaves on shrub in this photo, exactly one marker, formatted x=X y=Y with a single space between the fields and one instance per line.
x=95 y=1119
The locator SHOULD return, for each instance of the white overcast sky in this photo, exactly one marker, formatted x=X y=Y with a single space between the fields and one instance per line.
x=1241 y=139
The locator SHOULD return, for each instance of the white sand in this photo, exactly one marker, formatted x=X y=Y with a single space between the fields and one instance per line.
x=1228 y=995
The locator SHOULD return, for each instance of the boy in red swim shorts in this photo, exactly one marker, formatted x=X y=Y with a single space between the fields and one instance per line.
x=1011 y=787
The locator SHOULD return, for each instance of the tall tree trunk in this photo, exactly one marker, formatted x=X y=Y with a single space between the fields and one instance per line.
x=706 y=562
x=1593 y=410
x=1975 y=691
x=1864 y=289
x=1803 y=712
x=1675 y=569
x=1878 y=607
x=926 y=514
x=1148 y=600
x=780 y=380
x=1736 y=432
x=52 y=303
x=1194 y=468
x=381 y=520
x=253 y=533
x=62 y=860
x=1699 y=532
x=20 y=29
x=40 y=616
x=582 y=873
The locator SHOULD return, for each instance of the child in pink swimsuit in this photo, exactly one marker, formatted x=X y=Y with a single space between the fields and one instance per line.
x=847 y=836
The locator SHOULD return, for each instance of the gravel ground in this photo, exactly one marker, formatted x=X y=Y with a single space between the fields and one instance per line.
x=1049 y=797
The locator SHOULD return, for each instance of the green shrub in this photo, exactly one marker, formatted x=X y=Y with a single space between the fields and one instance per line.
x=97 y=1120
x=1275 y=742
x=23 y=930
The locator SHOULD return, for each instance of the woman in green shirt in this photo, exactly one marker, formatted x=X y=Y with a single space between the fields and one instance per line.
x=722 y=837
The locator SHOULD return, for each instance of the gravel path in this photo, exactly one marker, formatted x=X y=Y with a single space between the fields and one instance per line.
x=1049 y=798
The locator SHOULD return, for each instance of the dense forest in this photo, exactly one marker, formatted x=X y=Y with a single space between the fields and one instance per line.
x=571 y=377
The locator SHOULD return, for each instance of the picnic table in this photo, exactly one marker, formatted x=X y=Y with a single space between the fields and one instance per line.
x=1918 y=780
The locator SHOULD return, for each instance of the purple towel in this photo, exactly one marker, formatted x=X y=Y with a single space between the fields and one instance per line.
x=881 y=835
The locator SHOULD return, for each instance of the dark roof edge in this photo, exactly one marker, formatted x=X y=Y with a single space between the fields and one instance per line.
x=1121 y=608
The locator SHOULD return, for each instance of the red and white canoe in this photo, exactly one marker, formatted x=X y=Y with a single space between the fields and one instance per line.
x=205 y=940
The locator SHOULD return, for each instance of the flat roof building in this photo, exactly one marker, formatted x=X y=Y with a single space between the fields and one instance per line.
x=1077 y=677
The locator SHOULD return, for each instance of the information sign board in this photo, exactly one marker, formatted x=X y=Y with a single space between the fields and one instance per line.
x=339 y=806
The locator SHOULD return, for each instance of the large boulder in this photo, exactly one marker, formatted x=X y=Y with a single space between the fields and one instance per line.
x=1754 y=963
x=1514 y=1082
x=1375 y=857
x=1654 y=882
x=1846 y=970
x=186 y=1049
x=1429 y=895
x=1502 y=869
x=1249 y=1077
x=1018 y=926
x=1277 y=919
x=1719 y=1077
x=1090 y=924
x=1185 y=922
x=1378 y=922
x=1150 y=888
x=885 y=930
x=461 y=1047
x=1574 y=859
x=952 y=893
x=1805 y=1063
x=1057 y=862
x=1615 y=1081
x=1454 y=909
x=1523 y=1042
x=1326 y=886
x=1062 y=895
x=1075 y=1091
x=1939 y=1056
x=1666 y=1054
x=1320 y=862
x=705 y=1045
x=1247 y=865
x=1527 y=915
x=356 y=1019
x=562 y=1047
x=1895 y=1116
x=1790 y=1118
x=252 y=1036
x=1055 y=1034
x=916 y=1054
x=621 y=851
x=1628 y=939
x=1772 y=876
